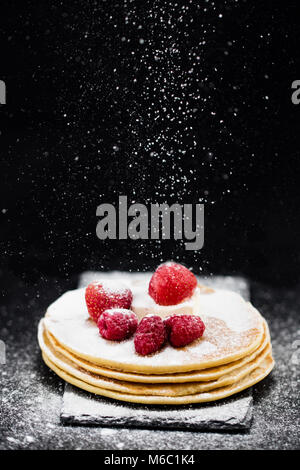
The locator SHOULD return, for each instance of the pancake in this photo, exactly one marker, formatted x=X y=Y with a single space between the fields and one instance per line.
x=234 y=329
x=136 y=388
x=204 y=375
x=261 y=371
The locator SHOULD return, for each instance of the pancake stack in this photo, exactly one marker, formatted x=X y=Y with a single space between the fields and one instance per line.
x=233 y=354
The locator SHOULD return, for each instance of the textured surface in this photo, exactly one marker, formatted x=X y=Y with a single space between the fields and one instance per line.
x=31 y=394
x=83 y=408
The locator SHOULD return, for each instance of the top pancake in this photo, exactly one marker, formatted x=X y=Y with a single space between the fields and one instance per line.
x=234 y=328
x=213 y=373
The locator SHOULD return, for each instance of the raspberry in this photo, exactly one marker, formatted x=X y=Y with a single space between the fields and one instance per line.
x=117 y=324
x=150 y=335
x=171 y=284
x=100 y=296
x=183 y=329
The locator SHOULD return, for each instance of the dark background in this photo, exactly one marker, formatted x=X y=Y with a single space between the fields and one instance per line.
x=162 y=102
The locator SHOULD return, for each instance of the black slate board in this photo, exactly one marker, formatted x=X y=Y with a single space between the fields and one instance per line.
x=80 y=407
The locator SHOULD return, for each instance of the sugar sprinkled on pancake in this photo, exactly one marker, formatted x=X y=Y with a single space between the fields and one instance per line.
x=212 y=373
x=234 y=328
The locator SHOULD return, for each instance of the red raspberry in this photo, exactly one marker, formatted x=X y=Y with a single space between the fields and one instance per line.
x=100 y=296
x=171 y=284
x=117 y=324
x=183 y=329
x=150 y=335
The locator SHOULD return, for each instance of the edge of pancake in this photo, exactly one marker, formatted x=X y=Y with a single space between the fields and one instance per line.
x=173 y=389
x=197 y=376
x=218 y=394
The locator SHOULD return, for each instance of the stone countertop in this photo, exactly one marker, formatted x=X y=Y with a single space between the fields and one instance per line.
x=31 y=393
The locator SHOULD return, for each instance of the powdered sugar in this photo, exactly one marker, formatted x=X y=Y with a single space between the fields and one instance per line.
x=232 y=326
x=124 y=311
x=112 y=287
x=228 y=307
